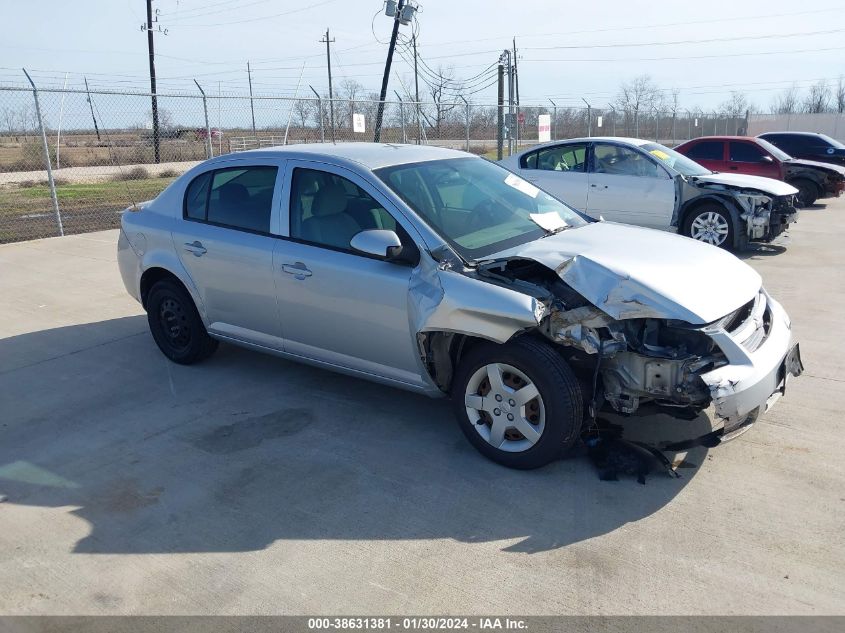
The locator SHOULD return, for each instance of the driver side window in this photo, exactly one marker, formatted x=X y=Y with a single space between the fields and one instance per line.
x=622 y=161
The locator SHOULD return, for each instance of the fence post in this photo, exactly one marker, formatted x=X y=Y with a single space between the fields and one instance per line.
x=45 y=147
x=319 y=114
x=401 y=116
x=466 y=105
x=589 y=118
x=656 y=126
x=673 y=126
x=637 y=122
x=209 y=152
x=554 y=121
x=612 y=109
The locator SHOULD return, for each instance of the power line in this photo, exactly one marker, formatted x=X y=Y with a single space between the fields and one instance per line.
x=685 y=57
x=263 y=17
x=671 y=43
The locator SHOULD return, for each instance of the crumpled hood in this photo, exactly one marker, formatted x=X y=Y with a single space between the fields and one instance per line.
x=633 y=272
x=768 y=186
x=812 y=163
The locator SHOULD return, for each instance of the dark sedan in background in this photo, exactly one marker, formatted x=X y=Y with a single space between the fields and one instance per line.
x=808 y=145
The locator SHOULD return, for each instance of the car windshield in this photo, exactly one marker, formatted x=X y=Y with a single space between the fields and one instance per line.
x=478 y=207
x=676 y=161
x=774 y=151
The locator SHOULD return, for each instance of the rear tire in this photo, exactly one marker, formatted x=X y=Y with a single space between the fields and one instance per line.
x=712 y=224
x=808 y=192
x=515 y=427
x=176 y=325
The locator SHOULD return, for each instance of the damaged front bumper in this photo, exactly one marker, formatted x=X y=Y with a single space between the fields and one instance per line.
x=765 y=217
x=761 y=357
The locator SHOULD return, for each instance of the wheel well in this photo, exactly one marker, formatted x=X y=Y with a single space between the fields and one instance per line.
x=442 y=351
x=806 y=179
x=697 y=204
x=151 y=277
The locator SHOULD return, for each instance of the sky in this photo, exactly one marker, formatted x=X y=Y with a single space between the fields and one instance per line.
x=567 y=51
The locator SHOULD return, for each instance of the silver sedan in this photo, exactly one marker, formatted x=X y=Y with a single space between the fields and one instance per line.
x=440 y=272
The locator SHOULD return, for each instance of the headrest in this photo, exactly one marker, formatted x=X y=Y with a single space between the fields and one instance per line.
x=234 y=193
x=330 y=200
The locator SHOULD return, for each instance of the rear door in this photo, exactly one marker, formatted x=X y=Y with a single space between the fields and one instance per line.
x=225 y=242
x=561 y=170
x=708 y=153
x=746 y=157
x=628 y=186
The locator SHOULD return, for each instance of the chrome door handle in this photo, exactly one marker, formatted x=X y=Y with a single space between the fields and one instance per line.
x=597 y=186
x=196 y=248
x=298 y=270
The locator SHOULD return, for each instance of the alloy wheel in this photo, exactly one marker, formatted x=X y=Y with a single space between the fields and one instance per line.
x=505 y=407
x=710 y=227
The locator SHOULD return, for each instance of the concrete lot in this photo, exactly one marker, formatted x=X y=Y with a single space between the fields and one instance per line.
x=252 y=485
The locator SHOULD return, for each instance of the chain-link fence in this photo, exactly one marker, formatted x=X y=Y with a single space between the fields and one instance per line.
x=71 y=160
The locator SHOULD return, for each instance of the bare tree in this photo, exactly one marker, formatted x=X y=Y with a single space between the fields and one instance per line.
x=302 y=110
x=787 y=101
x=10 y=118
x=839 y=95
x=640 y=94
x=352 y=91
x=442 y=87
x=818 y=97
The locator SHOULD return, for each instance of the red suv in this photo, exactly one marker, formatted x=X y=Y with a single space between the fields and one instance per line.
x=758 y=157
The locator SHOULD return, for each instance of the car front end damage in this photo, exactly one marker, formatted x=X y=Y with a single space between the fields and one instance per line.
x=763 y=214
x=657 y=338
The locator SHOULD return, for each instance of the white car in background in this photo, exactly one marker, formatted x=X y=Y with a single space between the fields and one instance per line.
x=635 y=181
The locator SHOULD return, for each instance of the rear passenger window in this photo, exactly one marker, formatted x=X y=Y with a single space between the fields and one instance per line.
x=196 y=197
x=745 y=152
x=706 y=150
x=239 y=198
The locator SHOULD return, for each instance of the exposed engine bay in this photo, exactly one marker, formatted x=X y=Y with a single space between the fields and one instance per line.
x=636 y=360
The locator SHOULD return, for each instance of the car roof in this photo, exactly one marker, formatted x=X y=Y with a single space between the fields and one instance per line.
x=792 y=133
x=370 y=155
x=586 y=139
x=723 y=137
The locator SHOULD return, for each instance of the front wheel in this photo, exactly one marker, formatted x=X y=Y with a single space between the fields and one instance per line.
x=710 y=223
x=519 y=403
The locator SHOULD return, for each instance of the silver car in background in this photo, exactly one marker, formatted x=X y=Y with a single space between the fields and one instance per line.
x=440 y=272
x=644 y=183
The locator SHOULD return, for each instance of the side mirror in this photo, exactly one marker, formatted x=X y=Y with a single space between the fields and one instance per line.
x=767 y=159
x=378 y=242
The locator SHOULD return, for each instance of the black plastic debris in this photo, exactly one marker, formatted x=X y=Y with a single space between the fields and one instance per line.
x=614 y=456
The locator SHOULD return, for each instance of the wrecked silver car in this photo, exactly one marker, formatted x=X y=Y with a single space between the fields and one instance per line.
x=639 y=182
x=439 y=272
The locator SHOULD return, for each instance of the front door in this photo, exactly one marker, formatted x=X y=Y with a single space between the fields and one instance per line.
x=338 y=306
x=225 y=244
x=746 y=157
x=628 y=186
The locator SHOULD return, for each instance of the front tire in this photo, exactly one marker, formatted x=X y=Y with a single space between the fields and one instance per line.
x=711 y=224
x=176 y=325
x=519 y=403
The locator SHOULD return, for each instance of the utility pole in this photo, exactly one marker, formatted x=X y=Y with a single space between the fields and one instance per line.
x=91 y=105
x=511 y=118
x=251 y=104
x=386 y=78
x=417 y=91
x=329 y=66
x=500 y=109
x=516 y=84
x=150 y=45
